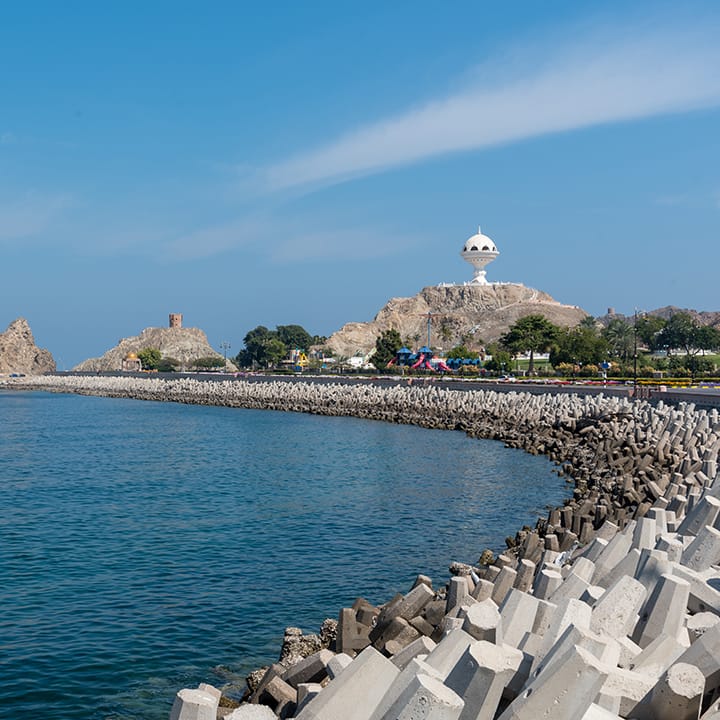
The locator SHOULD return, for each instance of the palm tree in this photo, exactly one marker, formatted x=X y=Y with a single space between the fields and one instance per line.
x=620 y=335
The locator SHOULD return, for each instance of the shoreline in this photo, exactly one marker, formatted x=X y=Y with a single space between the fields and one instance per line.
x=633 y=465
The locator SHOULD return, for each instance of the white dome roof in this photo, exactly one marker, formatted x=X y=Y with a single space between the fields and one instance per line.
x=480 y=243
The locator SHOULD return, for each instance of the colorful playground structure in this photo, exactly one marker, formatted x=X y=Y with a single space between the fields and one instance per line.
x=425 y=359
x=298 y=360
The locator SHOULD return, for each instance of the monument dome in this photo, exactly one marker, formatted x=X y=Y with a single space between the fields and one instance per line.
x=479 y=250
x=131 y=362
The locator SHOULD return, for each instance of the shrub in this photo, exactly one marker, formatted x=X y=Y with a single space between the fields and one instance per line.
x=208 y=363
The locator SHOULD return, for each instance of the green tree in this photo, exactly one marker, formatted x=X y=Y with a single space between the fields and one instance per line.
x=266 y=347
x=682 y=331
x=589 y=322
x=707 y=337
x=274 y=351
x=262 y=347
x=649 y=328
x=243 y=359
x=294 y=336
x=679 y=332
x=532 y=333
x=255 y=342
x=168 y=364
x=208 y=363
x=620 y=336
x=386 y=347
x=501 y=361
x=461 y=351
x=578 y=345
x=150 y=358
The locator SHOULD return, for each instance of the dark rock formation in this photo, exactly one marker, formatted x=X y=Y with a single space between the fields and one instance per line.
x=20 y=354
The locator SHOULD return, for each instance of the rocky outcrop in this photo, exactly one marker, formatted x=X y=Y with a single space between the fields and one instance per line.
x=182 y=344
x=469 y=314
x=702 y=317
x=20 y=354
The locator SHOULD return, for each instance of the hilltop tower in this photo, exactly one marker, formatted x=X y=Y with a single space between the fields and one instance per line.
x=175 y=320
x=479 y=250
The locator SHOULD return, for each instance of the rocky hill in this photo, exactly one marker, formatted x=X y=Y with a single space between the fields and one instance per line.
x=703 y=317
x=182 y=344
x=19 y=354
x=470 y=314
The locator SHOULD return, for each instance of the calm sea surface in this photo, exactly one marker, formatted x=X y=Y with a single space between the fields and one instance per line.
x=146 y=547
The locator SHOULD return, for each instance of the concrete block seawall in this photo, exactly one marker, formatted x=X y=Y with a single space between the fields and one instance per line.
x=609 y=607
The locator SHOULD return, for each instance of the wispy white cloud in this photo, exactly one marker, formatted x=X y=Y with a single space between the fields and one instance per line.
x=610 y=77
x=695 y=199
x=343 y=244
x=282 y=242
x=215 y=239
x=31 y=214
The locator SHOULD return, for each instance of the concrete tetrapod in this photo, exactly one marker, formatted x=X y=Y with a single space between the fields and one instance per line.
x=426 y=698
x=704 y=550
x=480 y=676
x=194 y=705
x=664 y=611
x=251 y=712
x=483 y=621
x=356 y=692
x=677 y=696
x=401 y=683
x=563 y=692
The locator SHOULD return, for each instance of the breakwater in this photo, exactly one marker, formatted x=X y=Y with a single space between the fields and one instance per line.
x=635 y=547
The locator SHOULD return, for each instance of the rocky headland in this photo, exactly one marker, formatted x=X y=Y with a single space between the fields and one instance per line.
x=468 y=314
x=183 y=344
x=608 y=607
x=20 y=354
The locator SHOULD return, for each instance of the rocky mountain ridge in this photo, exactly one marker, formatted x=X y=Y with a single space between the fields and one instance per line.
x=182 y=344
x=469 y=314
x=703 y=317
x=20 y=354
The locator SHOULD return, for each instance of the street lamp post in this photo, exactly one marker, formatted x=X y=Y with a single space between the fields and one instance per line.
x=225 y=346
x=635 y=354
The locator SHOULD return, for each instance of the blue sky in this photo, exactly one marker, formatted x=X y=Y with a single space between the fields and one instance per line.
x=304 y=162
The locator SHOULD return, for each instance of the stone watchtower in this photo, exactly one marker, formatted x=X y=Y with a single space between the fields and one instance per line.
x=175 y=320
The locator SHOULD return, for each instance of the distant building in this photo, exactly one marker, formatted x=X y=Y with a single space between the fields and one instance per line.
x=176 y=320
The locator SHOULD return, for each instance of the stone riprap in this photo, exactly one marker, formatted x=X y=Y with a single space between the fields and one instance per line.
x=607 y=608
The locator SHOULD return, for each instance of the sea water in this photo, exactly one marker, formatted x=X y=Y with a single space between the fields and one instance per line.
x=146 y=547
